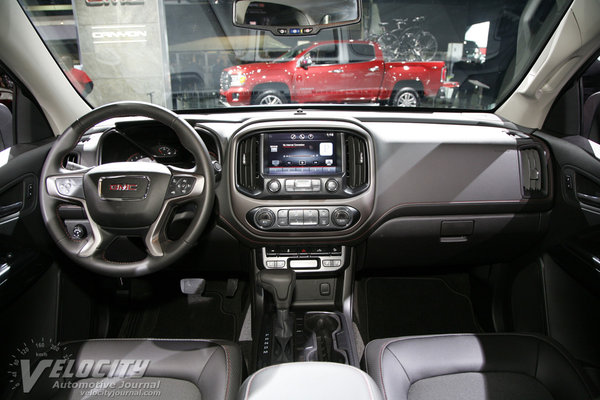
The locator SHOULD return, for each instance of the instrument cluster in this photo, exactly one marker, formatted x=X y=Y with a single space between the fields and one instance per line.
x=147 y=142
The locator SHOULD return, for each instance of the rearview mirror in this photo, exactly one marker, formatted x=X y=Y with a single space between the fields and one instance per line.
x=295 y=18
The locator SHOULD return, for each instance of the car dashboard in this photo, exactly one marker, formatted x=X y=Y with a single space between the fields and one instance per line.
x=305 y=188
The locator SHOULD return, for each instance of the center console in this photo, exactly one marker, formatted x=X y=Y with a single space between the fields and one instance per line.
x=301 y=334
x=299 y=191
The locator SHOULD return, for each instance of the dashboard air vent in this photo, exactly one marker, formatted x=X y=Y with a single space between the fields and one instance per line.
x=533 y=171
x=70 y=158
x=248 y=168
x=356 y=162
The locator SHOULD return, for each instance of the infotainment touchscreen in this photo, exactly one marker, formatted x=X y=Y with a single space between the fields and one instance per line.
x=302 y=153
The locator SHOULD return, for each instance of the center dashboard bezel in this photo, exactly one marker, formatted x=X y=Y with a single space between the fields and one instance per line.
x=344 y=190
x=362 y=201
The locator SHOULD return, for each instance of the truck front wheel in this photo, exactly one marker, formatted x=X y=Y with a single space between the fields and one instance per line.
x=270 y=98
x=406 y=97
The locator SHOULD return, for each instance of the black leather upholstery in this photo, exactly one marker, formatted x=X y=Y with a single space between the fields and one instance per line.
x=474 y=367
x=185 y=369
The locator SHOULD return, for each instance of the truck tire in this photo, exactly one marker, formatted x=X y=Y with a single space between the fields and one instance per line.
x=406 y=97
x=270 y=98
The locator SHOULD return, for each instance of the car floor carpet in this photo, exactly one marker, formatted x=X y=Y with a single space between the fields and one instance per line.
x=208 y=316
x=418 y=306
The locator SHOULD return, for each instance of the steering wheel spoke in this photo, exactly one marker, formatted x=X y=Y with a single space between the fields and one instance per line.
x=96 y=243
x=184 y=186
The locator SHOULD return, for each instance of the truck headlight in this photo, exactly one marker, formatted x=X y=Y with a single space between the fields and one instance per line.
x=238 y=80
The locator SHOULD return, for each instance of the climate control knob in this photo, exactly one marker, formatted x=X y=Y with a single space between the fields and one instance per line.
x=274 y=186
x=265 y=218
x=341 y=217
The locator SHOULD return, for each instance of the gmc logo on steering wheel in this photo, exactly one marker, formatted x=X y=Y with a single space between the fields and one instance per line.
x=123 y=187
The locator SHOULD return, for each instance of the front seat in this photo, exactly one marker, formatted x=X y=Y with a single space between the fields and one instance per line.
x=147 y=368
x=474 y=367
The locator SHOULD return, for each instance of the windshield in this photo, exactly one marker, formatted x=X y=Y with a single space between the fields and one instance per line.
x=188 y=55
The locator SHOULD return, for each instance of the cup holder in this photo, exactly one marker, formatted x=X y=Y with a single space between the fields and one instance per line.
x=323 y=328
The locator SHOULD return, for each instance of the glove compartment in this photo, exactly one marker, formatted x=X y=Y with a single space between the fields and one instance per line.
x=452 y=240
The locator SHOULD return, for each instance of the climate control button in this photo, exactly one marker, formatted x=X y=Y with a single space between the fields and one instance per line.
x=301 y=219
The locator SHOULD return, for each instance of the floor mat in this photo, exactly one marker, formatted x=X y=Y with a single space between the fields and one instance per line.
x=210 y=316
x=418 y=306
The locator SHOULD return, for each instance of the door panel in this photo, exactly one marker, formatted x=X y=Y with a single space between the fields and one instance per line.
x=363 y=81
x=571 y=267
x=322 y=80
x=23 y=237
x=363 y=74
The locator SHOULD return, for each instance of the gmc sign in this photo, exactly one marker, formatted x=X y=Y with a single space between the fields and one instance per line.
x=125 y=187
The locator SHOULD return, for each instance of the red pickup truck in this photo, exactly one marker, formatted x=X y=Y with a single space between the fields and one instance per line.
x=332 y=72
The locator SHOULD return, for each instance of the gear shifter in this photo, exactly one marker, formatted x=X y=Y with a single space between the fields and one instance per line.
x=280 y=283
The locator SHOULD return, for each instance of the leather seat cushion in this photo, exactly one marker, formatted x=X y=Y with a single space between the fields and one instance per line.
x=484 y=366
x=182 y=369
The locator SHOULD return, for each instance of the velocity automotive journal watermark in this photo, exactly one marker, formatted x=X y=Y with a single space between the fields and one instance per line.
x=44 y=363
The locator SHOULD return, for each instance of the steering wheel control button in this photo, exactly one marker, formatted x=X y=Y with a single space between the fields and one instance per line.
x=70 y=187
x=265 y=218
x=332 y=185
x=274 y=186
x=180 y=186
x=123 y=188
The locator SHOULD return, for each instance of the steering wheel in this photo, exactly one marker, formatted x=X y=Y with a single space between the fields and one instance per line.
x=125 y=198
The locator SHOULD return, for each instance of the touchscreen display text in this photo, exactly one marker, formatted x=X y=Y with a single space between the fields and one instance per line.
x=302 y=153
